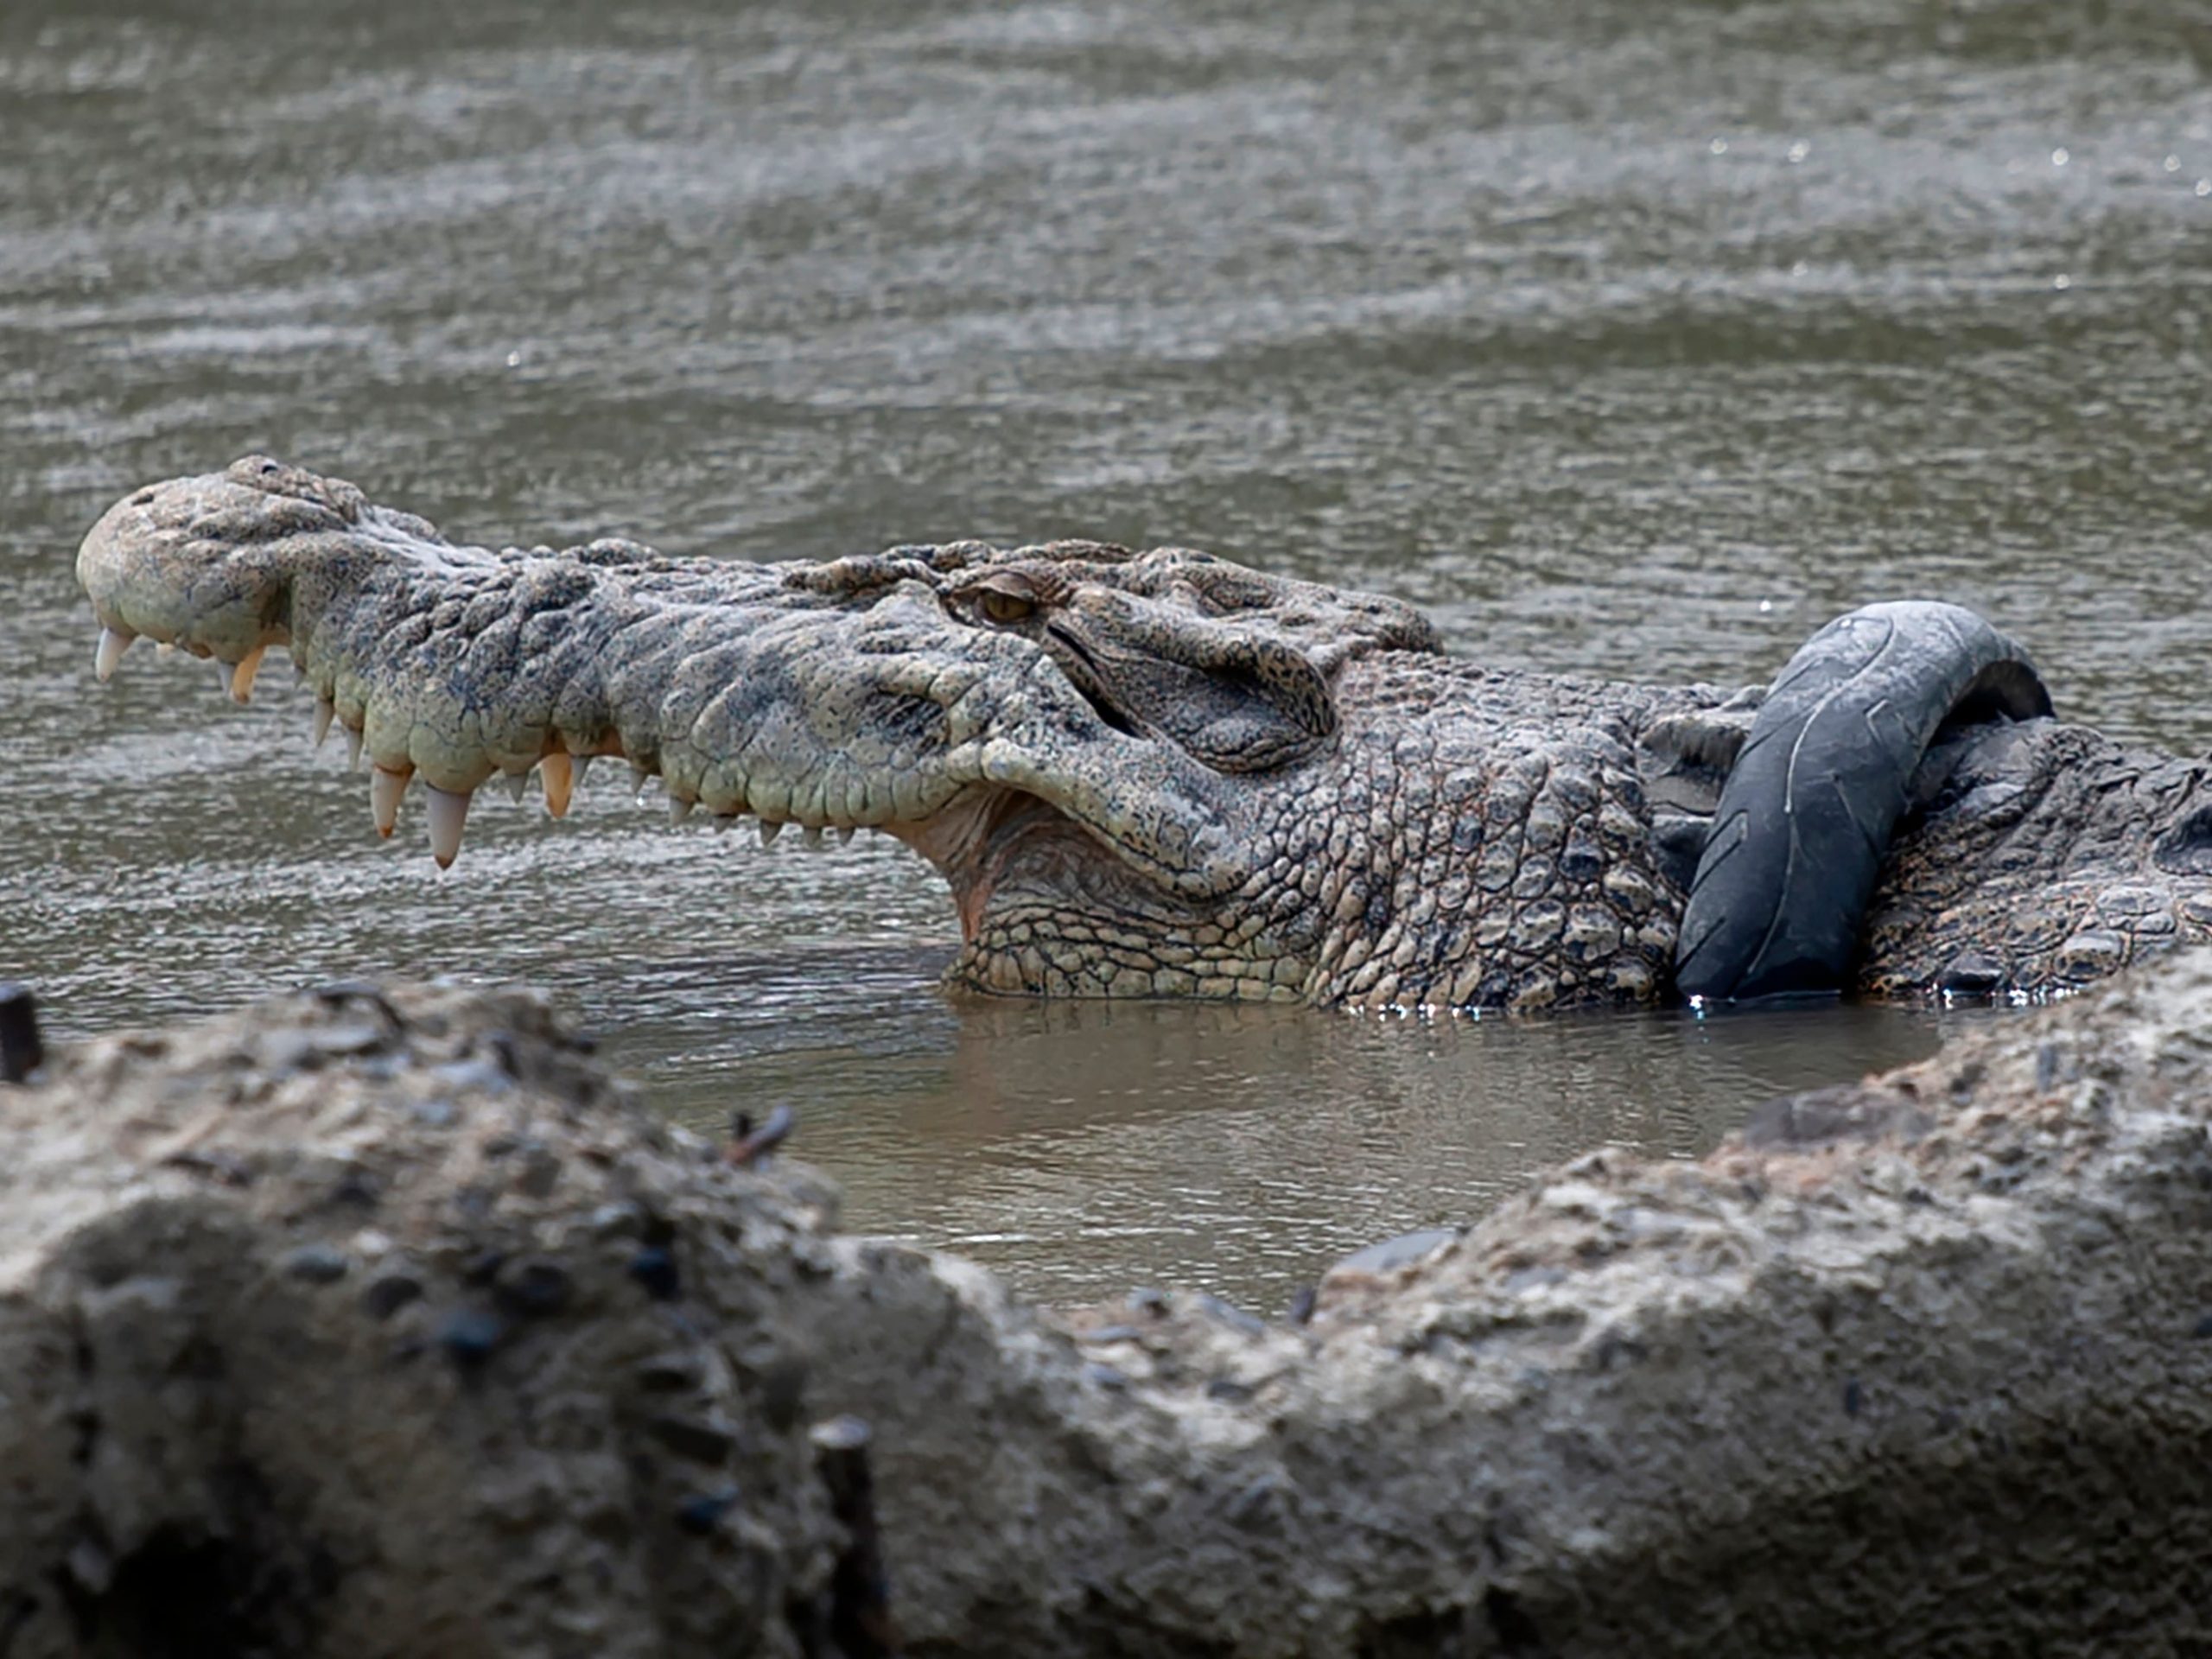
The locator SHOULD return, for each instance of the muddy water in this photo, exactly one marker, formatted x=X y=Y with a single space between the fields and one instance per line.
x=1632 y=337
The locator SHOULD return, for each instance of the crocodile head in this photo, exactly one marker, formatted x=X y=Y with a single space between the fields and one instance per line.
x=1163 y=774
x=1154 y=773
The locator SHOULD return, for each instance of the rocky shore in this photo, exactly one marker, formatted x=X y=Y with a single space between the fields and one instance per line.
x=375 y=1321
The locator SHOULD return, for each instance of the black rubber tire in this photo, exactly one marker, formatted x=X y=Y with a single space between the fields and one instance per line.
x=1806 y=817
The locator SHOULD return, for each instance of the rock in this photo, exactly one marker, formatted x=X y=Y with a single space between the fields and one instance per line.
x=1917 y=1366
x=1393 y=1254
x=214 y=1445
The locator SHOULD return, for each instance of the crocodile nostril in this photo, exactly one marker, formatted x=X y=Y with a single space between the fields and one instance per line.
x=2186 y=849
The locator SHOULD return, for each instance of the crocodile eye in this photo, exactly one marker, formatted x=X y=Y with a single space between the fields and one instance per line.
x=1005 y=608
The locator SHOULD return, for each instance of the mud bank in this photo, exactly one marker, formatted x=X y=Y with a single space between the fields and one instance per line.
x=386 y=1321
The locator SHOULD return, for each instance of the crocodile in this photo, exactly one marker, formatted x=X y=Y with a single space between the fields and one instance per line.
x=1163 y=774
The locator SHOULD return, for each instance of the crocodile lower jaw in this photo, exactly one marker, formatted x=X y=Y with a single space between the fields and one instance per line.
x=994 y=838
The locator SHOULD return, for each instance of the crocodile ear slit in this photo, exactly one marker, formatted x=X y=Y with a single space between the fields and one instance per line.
x=1235 y=699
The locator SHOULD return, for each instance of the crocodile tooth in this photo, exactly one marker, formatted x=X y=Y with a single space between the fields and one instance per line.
x=812 y=835
x=353 y=750
x=113 y=643
x=514 y=783
x=222 y=675
x=582 y=763
x=845 y=833
x=164 y=647
x=560 y=779
x=242 y=676
x=384 y=790
x=324 y=709
x=769 y=828
x=679 y=809
x=448 y=812
x=724 y=820
x=639 y=777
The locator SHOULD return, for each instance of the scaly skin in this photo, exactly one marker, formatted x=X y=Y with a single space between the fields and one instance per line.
x=1154 y=774
x=2053 y=857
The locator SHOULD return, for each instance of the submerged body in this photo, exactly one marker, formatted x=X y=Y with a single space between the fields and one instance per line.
x=1151 y=774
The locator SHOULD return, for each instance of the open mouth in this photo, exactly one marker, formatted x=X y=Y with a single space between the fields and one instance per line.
x=1060 y=731
x=994 y=838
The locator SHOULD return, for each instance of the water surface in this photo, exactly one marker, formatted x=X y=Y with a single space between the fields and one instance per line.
x=1632 y=338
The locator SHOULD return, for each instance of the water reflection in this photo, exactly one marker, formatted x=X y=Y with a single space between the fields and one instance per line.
x=1240 y=1149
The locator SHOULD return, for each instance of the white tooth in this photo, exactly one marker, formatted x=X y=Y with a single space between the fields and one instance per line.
x=724 y=820
x=324 y=709
x=639 y=777
x=353 y=750
x=560 y=775
x=242 y=676
x=448 y=812
x=164 y=648
x=515 y=783
x=769 y=828
x=384 y=790
x=222 y=676
x=845 y=833
x=113 y=643
x=812 y=836
x=678 y=809
x=583 y=764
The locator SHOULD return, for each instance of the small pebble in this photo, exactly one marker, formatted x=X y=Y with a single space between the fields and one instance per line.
x=357 y=1188
x=285 y=1051
x=541 y=1172
x=1230 y=1314
x=480 y=1074
x=617 y=1221
x=339 y=1041
x=318 y=1264
x=537 y=1288
x=387 y=1296
x=700 y=1514
x=469 y=1335
x=1252 y=1503
x=1408 y=1247
x=845 y=1433
x=655 y=1269
x=337 y=992
x=90 y=1566
x=673 y=1373
x=701 y=1440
